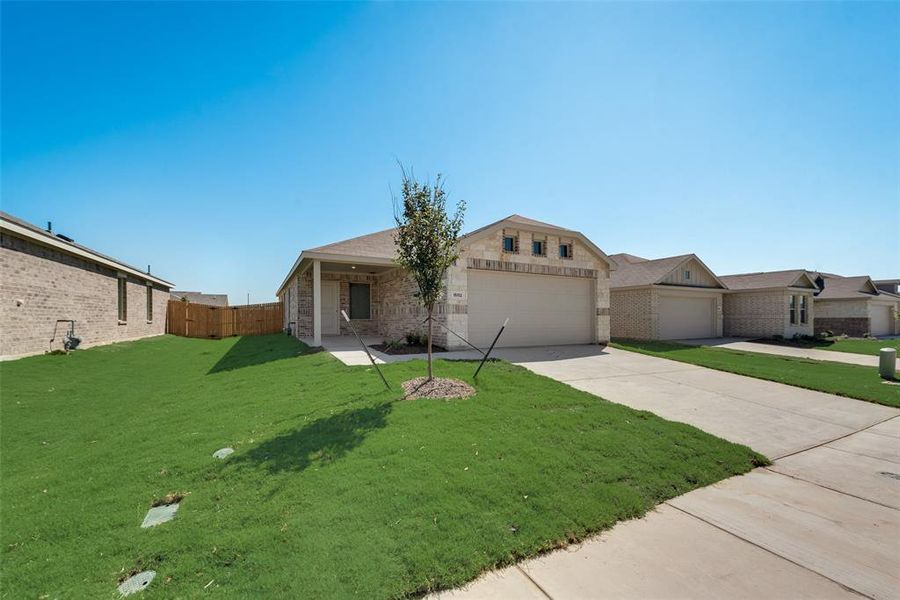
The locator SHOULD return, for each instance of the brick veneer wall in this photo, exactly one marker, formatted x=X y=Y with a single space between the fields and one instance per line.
x=396 y=311
x=843 y=317
x=490 y=248
x=632 y=314
x=302 y=290
x=39 y=285
x=764 y=314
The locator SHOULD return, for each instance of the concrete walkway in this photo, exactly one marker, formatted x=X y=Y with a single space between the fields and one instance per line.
x=822 y=522
x=813 y=353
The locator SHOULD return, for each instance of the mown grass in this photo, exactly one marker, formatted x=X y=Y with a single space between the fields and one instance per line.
x=851 y=345
x=852 y=381
x=858 y=346
x=337 y=487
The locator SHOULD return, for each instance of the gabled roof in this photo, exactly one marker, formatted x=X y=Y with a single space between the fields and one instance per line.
x=842 y=288
x=768 y=279
x=636 y=271
x=379 y=247
x=373 y=245
x=625 y=257
x=526 y=223
x=25 y=229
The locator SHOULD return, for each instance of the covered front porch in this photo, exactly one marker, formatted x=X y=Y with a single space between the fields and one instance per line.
x=376 y=296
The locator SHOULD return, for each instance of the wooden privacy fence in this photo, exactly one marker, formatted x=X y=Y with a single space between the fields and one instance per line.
x=203 y=321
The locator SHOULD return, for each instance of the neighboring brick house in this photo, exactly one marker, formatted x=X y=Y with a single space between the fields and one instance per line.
x=768 y=304
x=854 y=306
x=671 y=298
x=200 y=298
x=552 y=283
x=46 y=277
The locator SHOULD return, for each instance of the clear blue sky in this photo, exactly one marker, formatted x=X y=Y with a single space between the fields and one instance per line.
x=216 y=140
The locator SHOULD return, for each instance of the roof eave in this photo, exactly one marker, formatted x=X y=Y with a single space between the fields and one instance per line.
x=53 y=242
x=306 y=258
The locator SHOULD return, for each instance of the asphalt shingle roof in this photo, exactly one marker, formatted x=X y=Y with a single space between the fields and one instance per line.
x=840 y=288
x=642 y=272
x=762 y=280
x=373 y=245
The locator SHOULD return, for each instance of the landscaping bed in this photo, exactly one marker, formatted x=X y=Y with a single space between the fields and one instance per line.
x=852 y=381
x=336 y=488
x=399 y=349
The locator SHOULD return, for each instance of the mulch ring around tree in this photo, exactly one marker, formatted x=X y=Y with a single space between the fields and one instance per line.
x=438 y=387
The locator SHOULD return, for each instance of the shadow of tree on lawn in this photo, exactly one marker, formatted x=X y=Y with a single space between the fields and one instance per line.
x=319 y=443
x=260 y=349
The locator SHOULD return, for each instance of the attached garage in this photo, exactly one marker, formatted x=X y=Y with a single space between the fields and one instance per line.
x=684 y=317
x=673 y=298
x=542 y=309
x=881 y=319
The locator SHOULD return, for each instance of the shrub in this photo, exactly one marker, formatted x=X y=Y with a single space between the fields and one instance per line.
x=414 y=338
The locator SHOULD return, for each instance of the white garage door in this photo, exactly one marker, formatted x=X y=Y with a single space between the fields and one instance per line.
x=880 y=320
x=686 y=317
x=542 y=309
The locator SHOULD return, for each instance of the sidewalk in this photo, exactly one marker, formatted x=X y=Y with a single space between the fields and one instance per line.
x=822 y=522
x=811 y=353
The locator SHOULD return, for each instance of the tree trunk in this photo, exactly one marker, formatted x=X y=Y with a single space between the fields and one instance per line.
x=430 y=374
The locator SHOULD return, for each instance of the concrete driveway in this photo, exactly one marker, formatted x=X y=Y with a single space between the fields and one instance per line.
x=822 y=522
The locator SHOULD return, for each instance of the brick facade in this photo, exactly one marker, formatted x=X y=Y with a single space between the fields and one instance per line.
x=632 y=314
x=635 y=312
x=39 y=285
x=848 y=316
x=396 y=311
x=765 y=314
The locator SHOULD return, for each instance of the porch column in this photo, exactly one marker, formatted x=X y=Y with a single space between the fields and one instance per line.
x=317 y=303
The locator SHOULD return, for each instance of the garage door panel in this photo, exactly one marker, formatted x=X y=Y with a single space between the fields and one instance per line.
x=880 y=320
x=542 y=309
x=686 y=317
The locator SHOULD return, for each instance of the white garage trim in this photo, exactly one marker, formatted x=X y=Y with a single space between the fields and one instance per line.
x=542 y=309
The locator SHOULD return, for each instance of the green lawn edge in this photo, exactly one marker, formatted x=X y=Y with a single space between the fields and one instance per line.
x=851 y=381
x=866 y=347
x=83 y=455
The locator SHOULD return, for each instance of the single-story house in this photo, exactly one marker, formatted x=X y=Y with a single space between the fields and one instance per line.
x=854 y=306
x=677 y=297
x=200 y=298
x=47 y=277
x=768 y=304
x=551 y=283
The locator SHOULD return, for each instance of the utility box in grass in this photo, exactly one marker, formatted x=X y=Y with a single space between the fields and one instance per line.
x=887 y=363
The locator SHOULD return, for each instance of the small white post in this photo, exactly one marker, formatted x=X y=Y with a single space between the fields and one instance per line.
x=317 y=303
x=887 y=363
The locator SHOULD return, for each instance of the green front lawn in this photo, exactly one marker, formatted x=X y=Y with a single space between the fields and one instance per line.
x=337 y=488
x=842 y=379
x=859 y=346
x=852 y=345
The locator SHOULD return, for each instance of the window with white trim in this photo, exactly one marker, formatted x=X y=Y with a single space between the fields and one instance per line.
x=687 y=274
x=538 y=247
x=803 y=309
x=793 y=310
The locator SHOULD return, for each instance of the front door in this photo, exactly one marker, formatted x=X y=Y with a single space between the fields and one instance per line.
x=330 y=308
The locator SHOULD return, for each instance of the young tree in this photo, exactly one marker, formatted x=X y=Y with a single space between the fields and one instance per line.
x=427 y=240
